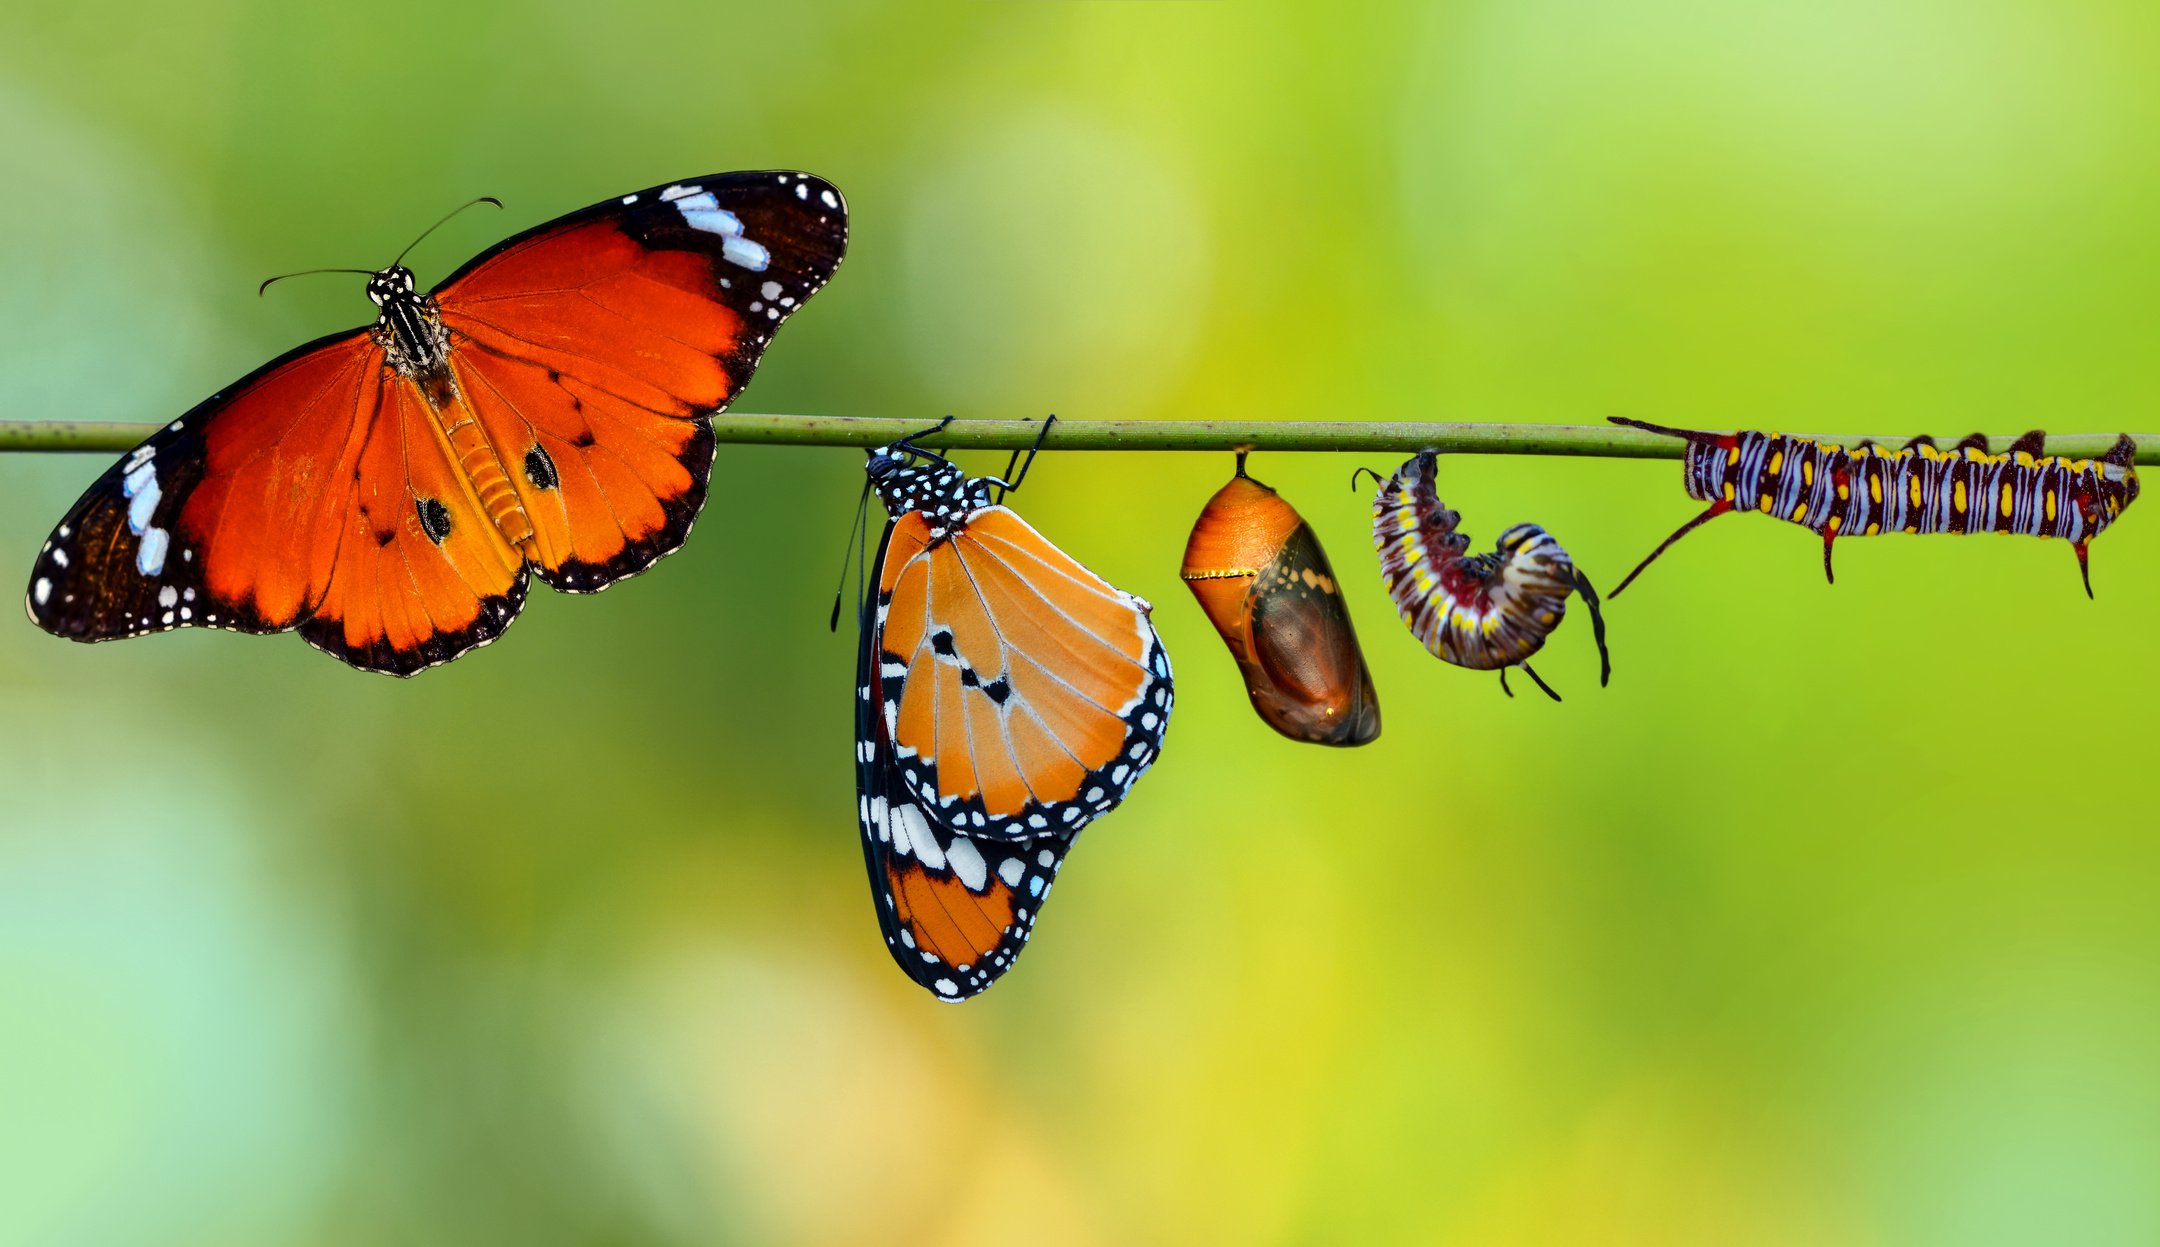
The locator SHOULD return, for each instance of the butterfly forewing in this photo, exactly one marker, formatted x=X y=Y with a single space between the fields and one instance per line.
x=228 y=517
x=1022 y=693
x=595 y=345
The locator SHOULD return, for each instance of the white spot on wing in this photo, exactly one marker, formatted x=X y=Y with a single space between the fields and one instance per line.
x=42 y=591
x=967 y=863
x=150 y=556
x=743 y=253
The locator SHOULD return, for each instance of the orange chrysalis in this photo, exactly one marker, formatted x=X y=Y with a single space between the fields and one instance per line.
x=1261 y=576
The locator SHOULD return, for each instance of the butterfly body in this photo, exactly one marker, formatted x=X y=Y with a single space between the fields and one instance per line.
x=389 y=492
x=1006 y=697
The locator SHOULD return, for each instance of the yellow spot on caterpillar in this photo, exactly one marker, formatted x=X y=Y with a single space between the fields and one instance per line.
x=1732 y=457
x=2051 y=504
x=1807 y=472
x=2025 y=459
x=1844 y=492
x=1915 y=482
x=1728 y=491
x=1835 y=522
x=1871 y=529
x=1548 y=618
x=1874 y=489
x=1777 y=458
x=1764 y=504
x=2006 y=504
x=1957 y=497
x=1799 y=515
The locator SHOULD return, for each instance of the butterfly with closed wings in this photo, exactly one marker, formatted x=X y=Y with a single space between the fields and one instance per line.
x=1006 y=696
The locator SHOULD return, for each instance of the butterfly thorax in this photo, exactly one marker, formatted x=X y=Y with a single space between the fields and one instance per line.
x=410 y=331
x=909 y=480
x=416 y=345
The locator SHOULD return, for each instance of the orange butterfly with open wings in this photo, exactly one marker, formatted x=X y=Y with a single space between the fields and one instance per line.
x=389 y=490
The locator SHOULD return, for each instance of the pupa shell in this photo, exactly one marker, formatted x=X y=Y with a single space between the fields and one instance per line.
x=1260 y=574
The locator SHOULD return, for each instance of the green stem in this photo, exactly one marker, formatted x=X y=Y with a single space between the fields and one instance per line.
x=1209 y=435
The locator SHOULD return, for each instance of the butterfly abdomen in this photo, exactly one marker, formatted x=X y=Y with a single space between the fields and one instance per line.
x=490 y=482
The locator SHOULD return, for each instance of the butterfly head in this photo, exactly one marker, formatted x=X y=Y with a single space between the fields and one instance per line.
x=390 y=285
x=908 y=478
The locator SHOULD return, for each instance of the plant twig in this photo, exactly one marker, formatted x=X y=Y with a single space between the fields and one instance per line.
x=1396 y=437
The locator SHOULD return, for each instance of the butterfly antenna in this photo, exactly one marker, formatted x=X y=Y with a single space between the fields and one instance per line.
x=1005 y=487
x=851 y=552
x=309 y=272
x=484 y=199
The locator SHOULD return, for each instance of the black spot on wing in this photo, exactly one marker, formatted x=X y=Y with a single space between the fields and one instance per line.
x=540 y=470
x=434 y=519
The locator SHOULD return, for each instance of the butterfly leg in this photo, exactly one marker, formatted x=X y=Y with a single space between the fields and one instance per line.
x=909 y=440
x=1004 y=486
x=1503 y=683
x=1532 y=671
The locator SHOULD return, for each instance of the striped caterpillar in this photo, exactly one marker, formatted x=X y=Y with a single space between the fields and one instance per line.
x=1915 y=489
x=1487 y=611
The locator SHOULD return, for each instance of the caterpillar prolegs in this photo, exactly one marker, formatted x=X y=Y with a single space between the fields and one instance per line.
x=1915 y=489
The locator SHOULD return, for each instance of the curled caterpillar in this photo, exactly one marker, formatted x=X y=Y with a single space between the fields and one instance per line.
x=1486 y=611
x=1914 y=489
x=1257 y=569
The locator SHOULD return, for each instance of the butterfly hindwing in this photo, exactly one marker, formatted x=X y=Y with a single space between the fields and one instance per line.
x=423 y=573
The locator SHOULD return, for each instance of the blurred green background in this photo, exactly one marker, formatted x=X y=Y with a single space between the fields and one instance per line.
x=1829 y=922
